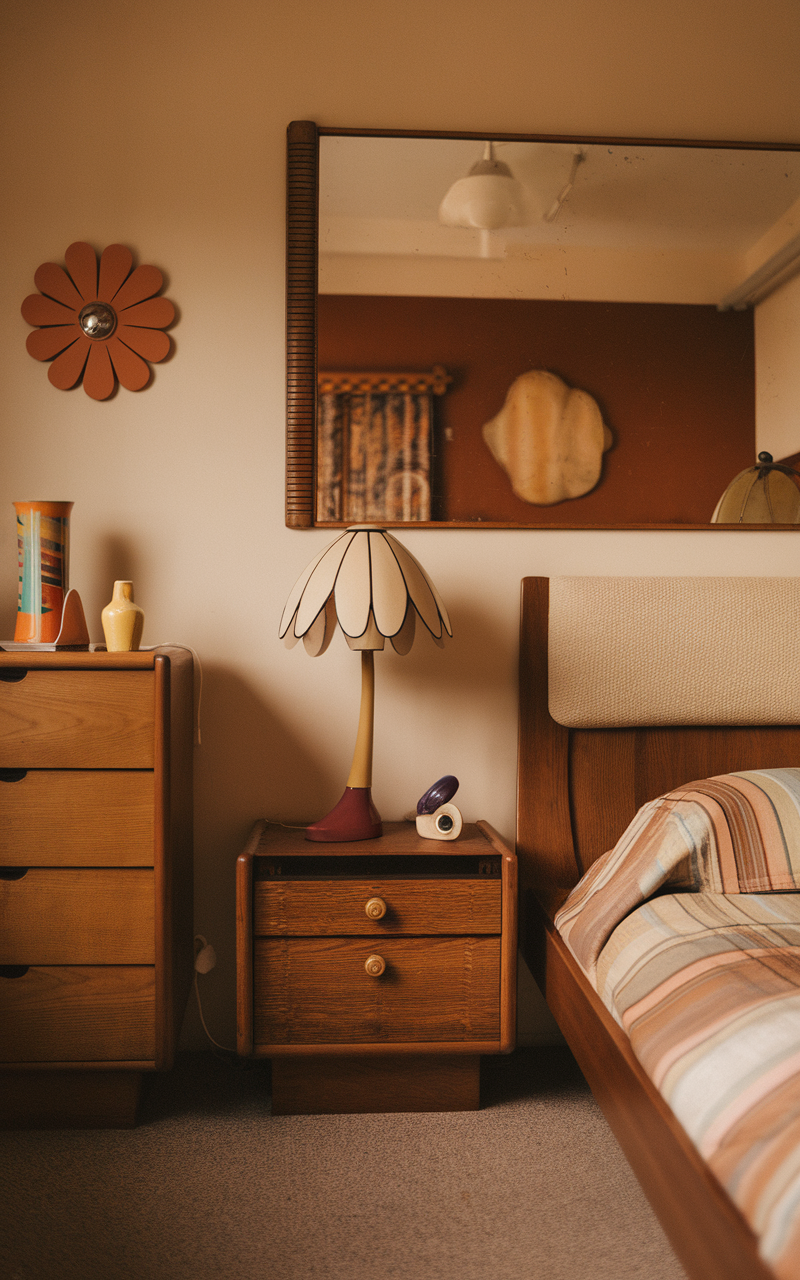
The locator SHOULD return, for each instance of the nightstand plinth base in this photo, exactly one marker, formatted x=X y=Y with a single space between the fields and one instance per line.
x=374 y=1084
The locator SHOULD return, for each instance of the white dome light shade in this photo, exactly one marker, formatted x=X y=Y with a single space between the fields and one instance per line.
x=488 y=198
x=368 y=582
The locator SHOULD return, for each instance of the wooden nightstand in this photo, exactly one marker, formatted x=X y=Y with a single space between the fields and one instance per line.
x=95 y=879
x=374 y=974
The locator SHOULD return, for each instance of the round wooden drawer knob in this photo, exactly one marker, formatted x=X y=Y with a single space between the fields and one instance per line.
x=375 y=965
x=376 y=908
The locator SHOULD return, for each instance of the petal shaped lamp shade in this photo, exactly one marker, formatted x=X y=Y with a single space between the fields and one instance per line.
x=367 y=583
x=766 y=493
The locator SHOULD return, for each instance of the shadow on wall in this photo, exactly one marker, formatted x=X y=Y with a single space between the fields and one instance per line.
x=476 y=661
x=251 y=764
x=118 y=560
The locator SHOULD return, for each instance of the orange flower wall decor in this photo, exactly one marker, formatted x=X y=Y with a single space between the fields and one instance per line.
x=103 y=324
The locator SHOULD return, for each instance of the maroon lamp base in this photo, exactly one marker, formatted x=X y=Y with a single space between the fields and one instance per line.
x=353 y=818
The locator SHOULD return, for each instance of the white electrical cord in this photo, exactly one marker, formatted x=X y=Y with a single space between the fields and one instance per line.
x=577 y=158
x=204 y=961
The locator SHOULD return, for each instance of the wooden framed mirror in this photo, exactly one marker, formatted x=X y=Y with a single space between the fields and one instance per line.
x=610 y=352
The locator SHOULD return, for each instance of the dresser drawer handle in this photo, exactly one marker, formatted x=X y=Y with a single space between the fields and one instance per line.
x=13 y=775
x=13 y=970
x=375 y=966
x=13 y=873
x=376 y=908
x=13 y=675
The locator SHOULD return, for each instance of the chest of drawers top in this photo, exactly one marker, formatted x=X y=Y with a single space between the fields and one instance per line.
x=92 y=710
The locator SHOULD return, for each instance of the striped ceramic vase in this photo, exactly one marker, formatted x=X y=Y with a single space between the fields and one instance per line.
x=43 y=546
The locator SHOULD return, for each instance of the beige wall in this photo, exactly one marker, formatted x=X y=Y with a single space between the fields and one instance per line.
x=777 y=332
x=160 y=124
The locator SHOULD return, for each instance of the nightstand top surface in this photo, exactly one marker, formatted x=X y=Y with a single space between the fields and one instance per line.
x=398 y=837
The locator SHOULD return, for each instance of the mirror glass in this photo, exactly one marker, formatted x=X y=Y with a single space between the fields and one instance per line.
x=538 y=333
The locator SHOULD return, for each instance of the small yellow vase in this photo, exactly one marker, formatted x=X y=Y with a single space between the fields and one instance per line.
x=122 y=620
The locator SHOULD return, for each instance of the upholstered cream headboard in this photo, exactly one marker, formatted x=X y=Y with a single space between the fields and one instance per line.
x=660 y=651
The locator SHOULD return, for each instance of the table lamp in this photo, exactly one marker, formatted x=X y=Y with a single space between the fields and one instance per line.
x=368 y=583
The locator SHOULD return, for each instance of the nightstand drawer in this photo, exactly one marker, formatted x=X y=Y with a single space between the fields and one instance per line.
x=62 y=916
x=78 y=720
x=317 y=990
x=78 y=1014
x=77 y=817
x=336 y=907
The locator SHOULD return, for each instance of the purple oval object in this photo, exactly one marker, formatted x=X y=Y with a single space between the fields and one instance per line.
x=438 y=794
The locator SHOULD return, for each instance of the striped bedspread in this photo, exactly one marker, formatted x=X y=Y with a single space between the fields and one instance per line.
x=690 y=931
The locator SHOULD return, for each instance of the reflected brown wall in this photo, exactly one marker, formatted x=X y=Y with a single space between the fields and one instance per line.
x=676 y=385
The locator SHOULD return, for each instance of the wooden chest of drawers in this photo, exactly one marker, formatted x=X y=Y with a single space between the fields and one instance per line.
x=375 y=974
x=95 y=879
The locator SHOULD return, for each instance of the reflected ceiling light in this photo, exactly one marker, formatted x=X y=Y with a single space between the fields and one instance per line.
x=488 y=198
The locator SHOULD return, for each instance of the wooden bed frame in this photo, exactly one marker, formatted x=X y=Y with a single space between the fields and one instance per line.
x=577 y=791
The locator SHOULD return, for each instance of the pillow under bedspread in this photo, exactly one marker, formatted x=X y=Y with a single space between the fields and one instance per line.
x=707 y=986
x=735 y=833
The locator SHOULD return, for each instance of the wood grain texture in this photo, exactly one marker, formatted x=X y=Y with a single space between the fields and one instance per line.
x=378 y=1048
x=508 y=957
x=598 y=779
x=80 y=916
x=77 y=817
x=509 y=936
x=175 y=878
x=302 y=162
x=78 y=1013
x=613 y=772
x=162 y=862
x=378 y=1085
x=706 y=1230
x=93 y=721
x=85 y=660
x=313 y=990
x=69 y=1099
x=329 y=907
x=77 y=720
x=244 y=941
x=398 y=837
x=270 y=846
x=544 y=828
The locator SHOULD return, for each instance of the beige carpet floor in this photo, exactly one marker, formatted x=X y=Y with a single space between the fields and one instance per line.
x=210 y=1187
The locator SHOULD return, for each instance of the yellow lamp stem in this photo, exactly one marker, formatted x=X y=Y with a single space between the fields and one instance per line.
x=361 y=768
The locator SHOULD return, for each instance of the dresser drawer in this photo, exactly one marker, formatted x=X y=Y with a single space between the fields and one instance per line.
x=63 y=916
x=78 y=720
x=77 y=817
x=331 y=907
x=317 y=991
x=78 y=1014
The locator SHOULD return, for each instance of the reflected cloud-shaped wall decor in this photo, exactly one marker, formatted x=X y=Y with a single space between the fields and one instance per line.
x=549 y=439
